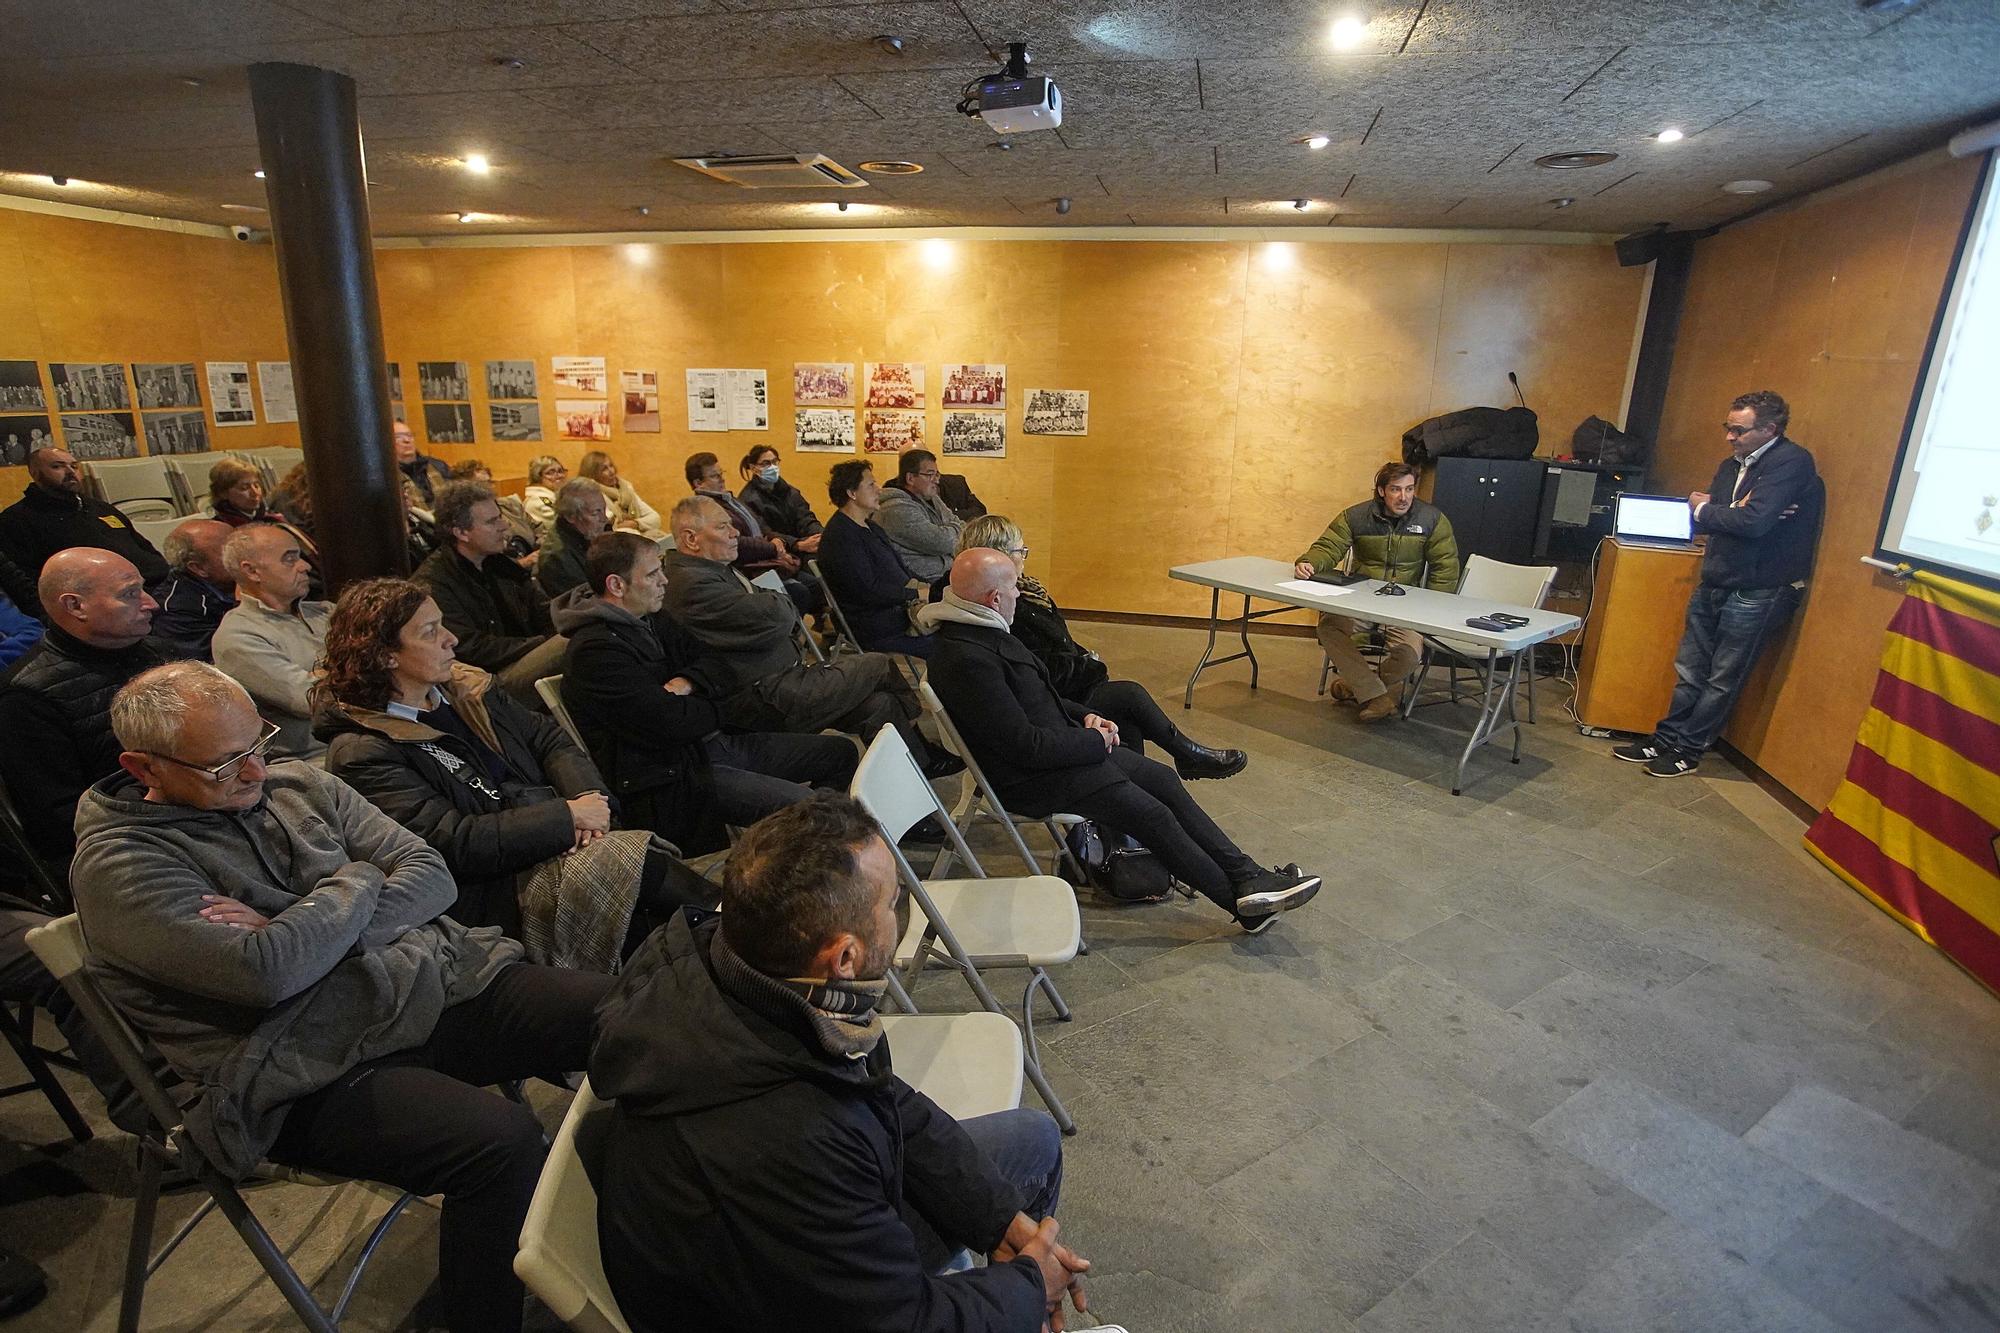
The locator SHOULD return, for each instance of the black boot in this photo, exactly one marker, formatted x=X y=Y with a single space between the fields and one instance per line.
x=1193 y=760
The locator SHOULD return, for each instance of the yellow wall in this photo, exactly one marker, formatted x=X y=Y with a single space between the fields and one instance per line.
x=1241 y=391
x=1830 y=304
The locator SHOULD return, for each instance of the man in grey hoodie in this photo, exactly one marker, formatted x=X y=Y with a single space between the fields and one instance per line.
x=281 y=943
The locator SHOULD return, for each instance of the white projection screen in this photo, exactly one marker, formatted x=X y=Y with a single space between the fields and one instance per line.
x=1943 y=508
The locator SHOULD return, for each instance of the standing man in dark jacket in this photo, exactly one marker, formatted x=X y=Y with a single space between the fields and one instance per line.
x=53 y=514
x=198 y=593
x=648 y=702
x=501 y=619
x=580 y=514
x=765 y=1168
x=875 y=589
x=1762 y=516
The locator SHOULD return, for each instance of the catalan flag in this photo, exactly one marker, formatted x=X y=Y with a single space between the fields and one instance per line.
x=1915 y=825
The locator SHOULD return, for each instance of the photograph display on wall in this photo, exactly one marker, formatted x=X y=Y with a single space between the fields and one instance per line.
x=274 y=382
x=21 y=386
x=824 y=430
x=515 y=421
x=583 y=419
x=974 y=386
x=1057 y=412
x=448 y=423
x=706 y=410
x=89 y=386
x=229 y=399
x=981 y=433
x=395 y=382
x=580 y=374
x=21 y=436
x=166 y=384
x=818 y=383
x=748 y=395
x=175 y=432
x=890 y=431
x=893 y=384
x=444 y=382
x=641 y=391
x=90 y=436
x=510 y=379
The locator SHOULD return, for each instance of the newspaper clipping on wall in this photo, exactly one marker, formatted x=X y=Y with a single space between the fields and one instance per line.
x=229 y=397
x=641 y=391
x=274 y=381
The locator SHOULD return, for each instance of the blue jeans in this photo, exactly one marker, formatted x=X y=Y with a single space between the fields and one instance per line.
x=1726 y=629
x=1025 y=1147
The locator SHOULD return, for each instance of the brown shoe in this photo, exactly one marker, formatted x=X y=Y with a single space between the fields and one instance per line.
x=1340 y=691
x=1381 y=706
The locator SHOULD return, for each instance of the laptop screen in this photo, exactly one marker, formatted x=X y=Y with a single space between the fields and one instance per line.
x=1657 y=517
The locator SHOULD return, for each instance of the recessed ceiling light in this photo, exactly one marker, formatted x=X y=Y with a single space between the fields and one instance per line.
x=1301 y=204
x=1670 y=135
x=1564 y=202
x=1572 y=161
x=190 y=81
x=1316 y=141
x=1347 y=32
x=890 y=43
x=244 y=208
x=510 y=62
x=477 y=164
x=1746 y=187
x=258 y=173
x=470 y=217
x=58 y=180
x=890 y=167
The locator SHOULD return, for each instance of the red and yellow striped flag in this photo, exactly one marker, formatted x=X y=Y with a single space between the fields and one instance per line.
x=1916 y=823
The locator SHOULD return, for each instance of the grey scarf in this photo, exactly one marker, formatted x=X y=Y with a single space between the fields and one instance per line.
x=842 y=1014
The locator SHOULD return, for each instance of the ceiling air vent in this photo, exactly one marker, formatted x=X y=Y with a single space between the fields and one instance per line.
x=814 y=171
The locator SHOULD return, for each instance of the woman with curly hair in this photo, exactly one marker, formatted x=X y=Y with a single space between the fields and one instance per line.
x=519 y=813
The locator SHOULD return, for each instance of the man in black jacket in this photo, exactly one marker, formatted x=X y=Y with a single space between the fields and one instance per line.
x=580 y=516
x=1762 y=516
x=765 y=1168
x=53 y=514
x=55 y=703
x=1045 y=755
x=648 y=703
x=490 y=603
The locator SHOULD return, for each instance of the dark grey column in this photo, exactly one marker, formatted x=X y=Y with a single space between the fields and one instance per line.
x=310 y=141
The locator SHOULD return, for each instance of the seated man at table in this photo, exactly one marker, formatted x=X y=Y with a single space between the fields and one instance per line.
x=1396 y=537
x=1045 y=755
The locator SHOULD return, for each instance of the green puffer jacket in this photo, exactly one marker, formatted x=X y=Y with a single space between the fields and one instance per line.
x=1421 y=539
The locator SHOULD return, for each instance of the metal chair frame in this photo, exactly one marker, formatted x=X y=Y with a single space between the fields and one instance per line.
x=36 y=1060
x=977 y=800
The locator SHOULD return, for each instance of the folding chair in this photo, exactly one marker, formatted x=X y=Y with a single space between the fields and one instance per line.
x=801 y=631
x=190 y=477
x=559 y=1259
x=20 y=1029
x=61 y=947
x=846 y=635
x=1030 y=921
x=135 y=487
x=274 y=461
x=155 y=530
x=550 y=689
x=51 y=893
x=977 y=800
x=969 y=1064
x=1490 y=583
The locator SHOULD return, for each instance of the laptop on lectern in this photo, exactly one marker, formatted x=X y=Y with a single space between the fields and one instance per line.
x=1654 y=520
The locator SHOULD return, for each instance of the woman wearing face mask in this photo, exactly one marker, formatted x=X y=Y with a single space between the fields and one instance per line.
x=777 y=503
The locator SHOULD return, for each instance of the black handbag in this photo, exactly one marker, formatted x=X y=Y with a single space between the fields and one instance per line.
x=1118 y=864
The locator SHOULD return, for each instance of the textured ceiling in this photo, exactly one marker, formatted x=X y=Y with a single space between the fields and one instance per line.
x=1177 y=112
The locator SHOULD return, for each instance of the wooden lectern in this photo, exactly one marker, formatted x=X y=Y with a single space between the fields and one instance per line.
x=1637 y=606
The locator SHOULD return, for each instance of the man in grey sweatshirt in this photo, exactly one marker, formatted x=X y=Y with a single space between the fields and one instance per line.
x=282 y=944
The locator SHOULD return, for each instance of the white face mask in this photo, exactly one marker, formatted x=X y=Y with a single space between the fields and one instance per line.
x=769 y=472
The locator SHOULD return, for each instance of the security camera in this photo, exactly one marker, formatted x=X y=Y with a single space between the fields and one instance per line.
x=241 y=232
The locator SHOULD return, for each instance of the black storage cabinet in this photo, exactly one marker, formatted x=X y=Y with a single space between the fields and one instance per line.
x=1495 y=505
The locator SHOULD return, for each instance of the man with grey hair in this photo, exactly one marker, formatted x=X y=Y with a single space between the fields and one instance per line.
x=580 y=514
x=198 y=592
x=55 y=702
x=53 y=514
x=271 y=643
x=490 y=604
x=283 y=945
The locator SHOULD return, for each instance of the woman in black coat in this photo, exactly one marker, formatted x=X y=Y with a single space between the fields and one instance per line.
x=777 y=503
x=875 y=589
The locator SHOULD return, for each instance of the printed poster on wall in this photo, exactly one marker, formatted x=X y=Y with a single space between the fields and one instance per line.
x=824 y=430
x=705 y=407
x=748 y=393
x=514 y=421
x=817 y=383
x=175 y=432
x=641 y=390
x=580 y=374
x=1057 y=412
x=892 y=431
x=166 y=384
x=510 y=381
x=229 y=396
x=893 y=384
x=974 y=386
x=90 y=436
x=274 y=381
x=22 y=435
x=89 y=386
x=444 y=382
x=21 y=386
x=583 y=419
x=980 y=433
x=448 y=423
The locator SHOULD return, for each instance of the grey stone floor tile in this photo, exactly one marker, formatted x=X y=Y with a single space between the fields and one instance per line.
x=1961 y=1114
x=1678 y=1281
x=1868 y=1273
x=1696 y=1064
x=1923 y=1186
x=1384 y=906
x=1948 y=1018
x=1809 y=975
x=1631 y=900
x=1701 y=1174
x=1471 y=1286
x=1483 y=960
x=1267 y=1018
x=1575 y=934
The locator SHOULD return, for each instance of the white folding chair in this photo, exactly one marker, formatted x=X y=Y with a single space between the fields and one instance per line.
x=969 y=1064
x=846 y=636
x=801 y=631
x=274 y=461
x=136 y=487
x=155 y=530
x=190 y=474
x=559 y=1258
x=1030 y=921
x=977 y=800
x=1490 y=583
x=550 y=690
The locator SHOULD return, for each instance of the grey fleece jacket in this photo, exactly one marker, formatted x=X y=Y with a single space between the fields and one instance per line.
x=355 y=963
x=272 y=654
x=924 y=532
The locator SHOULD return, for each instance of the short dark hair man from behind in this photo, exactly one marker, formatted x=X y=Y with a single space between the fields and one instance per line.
x=765 y=1167
x=494 y=607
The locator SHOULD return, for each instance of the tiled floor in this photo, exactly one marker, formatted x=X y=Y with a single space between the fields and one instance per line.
x=1578 y=1050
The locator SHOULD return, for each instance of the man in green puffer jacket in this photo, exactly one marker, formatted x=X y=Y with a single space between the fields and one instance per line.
x=1397 y=537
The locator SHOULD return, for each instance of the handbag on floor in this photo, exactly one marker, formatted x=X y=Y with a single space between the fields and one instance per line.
x=1118 y=864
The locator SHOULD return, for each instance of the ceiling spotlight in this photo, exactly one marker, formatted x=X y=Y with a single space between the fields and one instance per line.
x=470 y=217
x=258 y=173
x=890 y=167
x=1564 y=202
x=1347 y=32
x=1574 y=161
x=1316 y=141
x=190 y=81
x=1746 y=187
x=643 y=211
x=891 y=44
x=510 y=62
x=1670 y=135
x=1002 y=145
x=1062 y=204
x=59 y=180
x=840 y=204
x=477 y=164
x=1301 y=204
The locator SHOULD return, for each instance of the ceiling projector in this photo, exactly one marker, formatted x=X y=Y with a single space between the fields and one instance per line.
x=1014 y=101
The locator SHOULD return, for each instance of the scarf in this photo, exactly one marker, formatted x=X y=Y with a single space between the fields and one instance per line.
x=842 y=1015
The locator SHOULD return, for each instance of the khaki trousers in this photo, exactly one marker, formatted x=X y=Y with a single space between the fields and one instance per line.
x=1336 y=635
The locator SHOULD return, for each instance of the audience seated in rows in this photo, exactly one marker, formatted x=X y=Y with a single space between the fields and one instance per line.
x=1080 y=676
x=648 y=701
x=199 y=590
x=580 y=514
x=628 y=512
x=236 y=493
x=523 y=537
x=876 y=590
x=19 y=632
x=53 y=514
x=546 y=475
x=756 y=549
x=956 y=492
x=55 y=703
x=18 y=587
x=778 y=505
x=1046 y=755
x=284 y=946
x=764 y=1167
x=753 y=632
x=422 y=473
x=520 y=815
x=490 y=604
x=919 y=525
x=271 y=643
x=293 y=499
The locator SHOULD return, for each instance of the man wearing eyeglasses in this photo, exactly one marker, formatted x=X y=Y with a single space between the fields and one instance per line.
x=916 y=520
x=283 y=944
x=1762 y=517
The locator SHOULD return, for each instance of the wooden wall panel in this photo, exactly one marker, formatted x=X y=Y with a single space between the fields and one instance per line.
x=1829 y=303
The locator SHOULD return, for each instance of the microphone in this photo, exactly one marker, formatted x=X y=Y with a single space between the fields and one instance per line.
x=1515 y=380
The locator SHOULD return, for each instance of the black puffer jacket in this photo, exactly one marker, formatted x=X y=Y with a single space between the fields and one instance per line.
x=1038 y=622
x=43 y=522
x=780 y=507
x=1476 y=432
x=495 y=609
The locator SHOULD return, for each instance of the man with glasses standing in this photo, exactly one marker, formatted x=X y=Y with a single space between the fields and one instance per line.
x=916 y=521
x=1761 y=515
